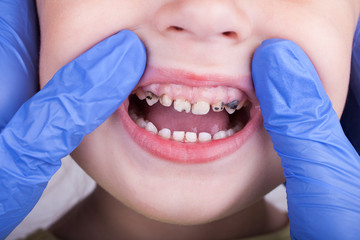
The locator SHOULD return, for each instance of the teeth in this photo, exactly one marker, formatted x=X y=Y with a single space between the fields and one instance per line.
x=165 y=100
x=151 y=98
x=151 y=127
x=140 y=94
x=229 y=110
x=182 y=105
x=231 y=106
x=165 y=133
x=230 y=132
x=220 y=135
x=190 y=137
x=140 y=122
x=218 y=107
x=200 y=108
x=178 y=135
x=204 y=137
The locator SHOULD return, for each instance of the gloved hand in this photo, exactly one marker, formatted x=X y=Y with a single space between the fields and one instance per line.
x=350 y=119
x=80 y=96
x=321 y=167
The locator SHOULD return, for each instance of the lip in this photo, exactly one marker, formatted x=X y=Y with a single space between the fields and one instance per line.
x=192 y=153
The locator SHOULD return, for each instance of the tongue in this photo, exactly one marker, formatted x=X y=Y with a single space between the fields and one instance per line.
x=168 y=117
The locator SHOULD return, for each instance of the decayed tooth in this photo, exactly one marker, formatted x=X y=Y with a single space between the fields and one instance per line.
x=141 y=122
x=240 y=105
x=178 y=135
x=140 y=94
x=219 y=135
x=151 y=98
x=190 y=137
x=204 y=137
x=151 y=127
x=165 y=100
x=218 y=107
x=182 y=105
x=231 y=106
x=200 y=108
x=165 y=133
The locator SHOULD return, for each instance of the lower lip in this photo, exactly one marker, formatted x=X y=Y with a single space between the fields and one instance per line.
x=191 y=153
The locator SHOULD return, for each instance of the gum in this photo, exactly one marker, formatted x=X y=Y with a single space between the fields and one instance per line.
x=211 y=95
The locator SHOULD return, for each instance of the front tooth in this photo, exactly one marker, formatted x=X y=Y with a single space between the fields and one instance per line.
x=182 y=105
x=204 y=137
x=200 y=108
x=191 y=137
x=219 y=135
x=165 y=133
x=151 y=98
x=151 y=127
x=218 y=107
x=165 y=100
x=178 y=135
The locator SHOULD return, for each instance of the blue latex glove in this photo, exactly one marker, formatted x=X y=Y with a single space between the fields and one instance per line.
x=350 y=119
x=321 y=167
x=80 y=96
x=19 y=47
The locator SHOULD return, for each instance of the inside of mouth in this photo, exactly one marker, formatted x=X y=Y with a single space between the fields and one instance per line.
x=163 y=117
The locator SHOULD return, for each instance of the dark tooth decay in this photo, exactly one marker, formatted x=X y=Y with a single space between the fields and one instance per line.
x=149 y=95
x=220 y=108
x=233 y=104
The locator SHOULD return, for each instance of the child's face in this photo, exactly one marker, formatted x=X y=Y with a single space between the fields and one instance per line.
x=195 y=43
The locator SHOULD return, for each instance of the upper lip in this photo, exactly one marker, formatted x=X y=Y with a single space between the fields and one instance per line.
x=181 y=77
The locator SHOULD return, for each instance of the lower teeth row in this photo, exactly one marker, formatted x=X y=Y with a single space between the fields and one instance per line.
x=182 y=136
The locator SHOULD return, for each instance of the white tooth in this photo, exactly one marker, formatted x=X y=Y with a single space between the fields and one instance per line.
x=165 y=100
x=141 y=122
x=218 y=107
x=219 y=135
x=151 y=98
x=182 y=105
x=229 y=110
x=204 y=137
x=165 y=133
x=178 y=135
x=191 y=137
x=200 y=108
x=151 y=127
x=140 y=94
x=230 y=132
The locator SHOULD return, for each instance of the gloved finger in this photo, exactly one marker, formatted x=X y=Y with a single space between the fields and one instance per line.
x=351 y=116
x=80 y=96
x=320 y=165
x=19 y=48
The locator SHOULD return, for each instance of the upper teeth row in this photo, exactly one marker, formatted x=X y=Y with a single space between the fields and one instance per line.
x=198 y=108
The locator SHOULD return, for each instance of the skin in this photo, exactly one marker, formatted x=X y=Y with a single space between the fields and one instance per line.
x=222 y=199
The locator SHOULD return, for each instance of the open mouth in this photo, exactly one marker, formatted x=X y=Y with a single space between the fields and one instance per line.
x=189 y=114
x=193 y=119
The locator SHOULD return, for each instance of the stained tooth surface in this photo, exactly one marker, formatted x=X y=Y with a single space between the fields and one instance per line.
x=204 y=137
x=191 y=137
x=200 y=108
x=182 y=105
x=219 y=135
x=165 y=133
x=140 y=94
x=151 y=128
x=232 y=104
x=178 y=135
x=229 y=110
x=151 y=98
x=218 y=107
x=165 y=100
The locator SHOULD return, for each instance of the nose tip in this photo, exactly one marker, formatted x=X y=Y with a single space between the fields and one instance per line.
x=204 y=19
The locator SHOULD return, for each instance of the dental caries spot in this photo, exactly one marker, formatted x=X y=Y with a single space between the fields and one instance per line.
x=196 y=114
